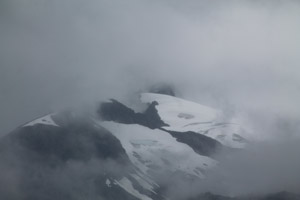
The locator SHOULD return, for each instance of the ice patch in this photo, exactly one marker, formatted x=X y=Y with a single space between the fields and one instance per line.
x=46 y=120
x=126 y=184
x=145 y=184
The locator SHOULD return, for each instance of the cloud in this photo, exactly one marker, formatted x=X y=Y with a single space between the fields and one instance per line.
x=262 y=168
x=237 y=56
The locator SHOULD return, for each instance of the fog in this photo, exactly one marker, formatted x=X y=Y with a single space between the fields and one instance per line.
x=260 y=169
x=237 y=56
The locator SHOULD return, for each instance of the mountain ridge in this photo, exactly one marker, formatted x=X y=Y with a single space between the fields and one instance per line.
x=119 y=154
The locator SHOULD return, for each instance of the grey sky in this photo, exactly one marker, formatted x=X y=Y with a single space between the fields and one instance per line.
x=238 y=55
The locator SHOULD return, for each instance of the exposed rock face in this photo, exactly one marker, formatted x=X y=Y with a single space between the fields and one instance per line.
x=118 y=112
x=201 y=144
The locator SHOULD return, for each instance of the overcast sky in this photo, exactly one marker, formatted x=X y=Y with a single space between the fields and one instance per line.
x=239 y=56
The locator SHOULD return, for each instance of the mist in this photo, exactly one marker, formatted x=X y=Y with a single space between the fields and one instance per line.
x=239 y=56
x=260 y=169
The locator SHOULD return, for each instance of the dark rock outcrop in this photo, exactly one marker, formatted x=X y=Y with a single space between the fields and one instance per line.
x=118 y=112
x=201 y=144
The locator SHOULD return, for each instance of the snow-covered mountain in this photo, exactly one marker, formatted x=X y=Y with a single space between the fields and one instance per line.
x=183 y=116
x=152 y=150
x=116 y=154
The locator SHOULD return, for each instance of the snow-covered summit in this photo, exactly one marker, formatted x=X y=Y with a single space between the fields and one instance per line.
x=182 y=116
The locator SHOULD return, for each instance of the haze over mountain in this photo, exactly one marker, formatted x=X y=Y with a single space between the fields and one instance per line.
x=209 y=83
x=233 y=56
x=175 y=149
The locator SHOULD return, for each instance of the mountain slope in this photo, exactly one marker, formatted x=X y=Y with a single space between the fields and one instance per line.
x=184 y=116
x=68 y=156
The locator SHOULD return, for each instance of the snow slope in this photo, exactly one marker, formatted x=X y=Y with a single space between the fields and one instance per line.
x=126 y=184
x=182 y=116
x=150 y=150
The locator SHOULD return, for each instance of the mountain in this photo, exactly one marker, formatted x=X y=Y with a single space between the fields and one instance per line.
x=66 y=156
x=118 y=153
